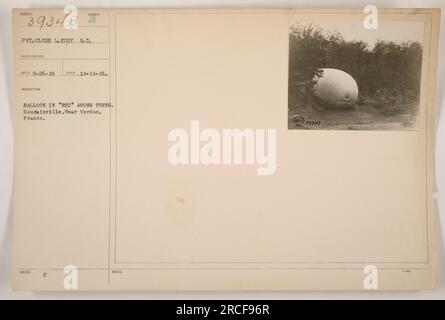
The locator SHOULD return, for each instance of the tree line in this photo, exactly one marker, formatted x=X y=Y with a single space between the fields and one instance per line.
x=387 y=74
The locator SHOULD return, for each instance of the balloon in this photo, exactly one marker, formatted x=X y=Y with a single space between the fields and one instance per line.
x=336 y=89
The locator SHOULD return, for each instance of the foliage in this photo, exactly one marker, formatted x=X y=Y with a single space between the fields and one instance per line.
x=387 y=74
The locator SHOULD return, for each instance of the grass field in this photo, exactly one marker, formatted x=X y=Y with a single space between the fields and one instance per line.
x=363 y=117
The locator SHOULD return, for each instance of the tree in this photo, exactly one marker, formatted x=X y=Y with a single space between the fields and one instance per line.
x=389 y=69
x=307 y=53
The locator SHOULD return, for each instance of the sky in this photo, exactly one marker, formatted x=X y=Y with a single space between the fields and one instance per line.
x=397 y=31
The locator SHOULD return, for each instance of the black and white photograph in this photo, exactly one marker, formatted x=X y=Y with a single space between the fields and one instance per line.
x=146 y=156
x=345 y=77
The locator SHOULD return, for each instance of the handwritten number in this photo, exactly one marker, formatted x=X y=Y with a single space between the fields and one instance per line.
x=51 y=22
x=41 y=21
x=45 y=21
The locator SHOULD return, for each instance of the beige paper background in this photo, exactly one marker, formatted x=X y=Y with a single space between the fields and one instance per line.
x=326 y=212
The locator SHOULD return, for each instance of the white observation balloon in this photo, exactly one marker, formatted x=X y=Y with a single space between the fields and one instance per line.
x=336 y=89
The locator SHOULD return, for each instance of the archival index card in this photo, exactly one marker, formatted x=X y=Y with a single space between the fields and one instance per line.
x=242 y=149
